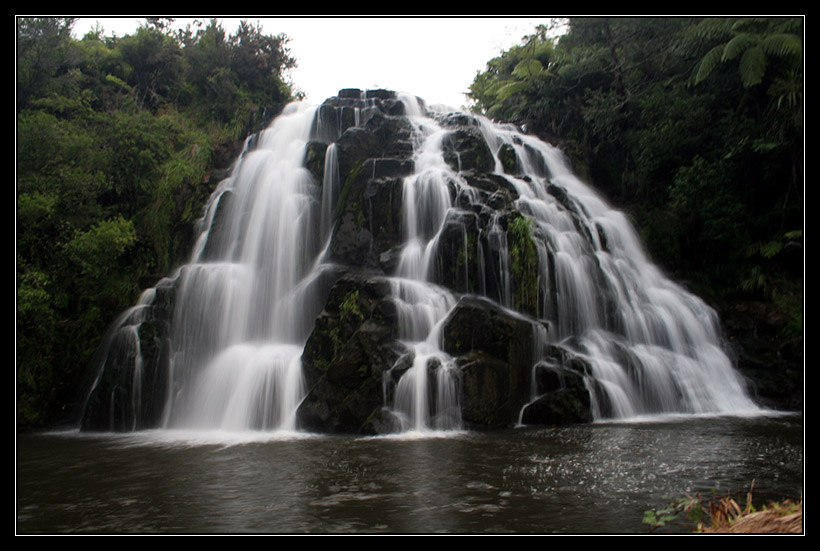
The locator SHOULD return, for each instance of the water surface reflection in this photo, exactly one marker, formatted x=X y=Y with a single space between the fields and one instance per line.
x=584 y=479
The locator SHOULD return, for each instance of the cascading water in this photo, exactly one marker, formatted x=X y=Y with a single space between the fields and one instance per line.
x=422 y=306
x=653 y=347
x=245 y=305
x=243 y=313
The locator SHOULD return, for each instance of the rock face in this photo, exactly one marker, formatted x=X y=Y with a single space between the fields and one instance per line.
x=443 y=273
x=348 y=357
x=495 y=351
x=355 y=356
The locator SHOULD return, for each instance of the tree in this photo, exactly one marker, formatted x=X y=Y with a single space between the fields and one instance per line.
x=652 y=112
x=512 y=80
x=757 y=41
x=43 y=51
x=154 y=65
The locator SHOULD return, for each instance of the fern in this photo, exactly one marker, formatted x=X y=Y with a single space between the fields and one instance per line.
x=752 y=66
x=737 y=45
x=708 y=64
x=527 y=68
x=754 y=40
x=513 y=87
x=782 y=45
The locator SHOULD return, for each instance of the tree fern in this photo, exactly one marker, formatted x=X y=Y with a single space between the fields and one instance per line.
x=527 y=68
x=752 y=66
x=513 y=87
x=783 y=45
x=707 y=64
x=755 y=40
x=737 y=45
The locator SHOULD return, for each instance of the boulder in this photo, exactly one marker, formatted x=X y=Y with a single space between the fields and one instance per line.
x=563 y=398
x=494 y=350
x=351 y=348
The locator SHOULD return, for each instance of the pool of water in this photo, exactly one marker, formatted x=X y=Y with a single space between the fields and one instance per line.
x=596 y=478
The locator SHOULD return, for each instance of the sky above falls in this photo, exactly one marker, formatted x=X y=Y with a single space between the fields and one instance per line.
x=435 y=58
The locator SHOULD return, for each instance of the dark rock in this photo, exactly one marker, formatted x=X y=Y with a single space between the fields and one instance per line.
x=492 y=183
x=494 y=349
x=456 y=119
x=456 y=254
x=372 y=159
x=380 y=94
x=315 y=160
x=493 y=391
x=562 y=398
x=391 y=168
x=478 y=324
x=352 y=347
x=354 y=93
x=382 y=210
x=465 y=149
x=112 y=405
x=770 y=359
x=508 y=158
x=219 y=226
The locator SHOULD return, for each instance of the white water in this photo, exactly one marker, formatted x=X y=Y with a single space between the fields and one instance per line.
x=244 y=311
x=671 y=338
x=246 y=304
x=422 y=306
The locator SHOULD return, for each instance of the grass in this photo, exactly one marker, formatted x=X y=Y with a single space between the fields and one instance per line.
x=725 y=514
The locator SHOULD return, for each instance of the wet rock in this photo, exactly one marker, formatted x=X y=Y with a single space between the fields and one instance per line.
x=465 y=149
x=494 y=349
x=562 y=397
x=352 y=346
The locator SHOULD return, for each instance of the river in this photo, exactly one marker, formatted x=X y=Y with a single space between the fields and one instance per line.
x=586 y=479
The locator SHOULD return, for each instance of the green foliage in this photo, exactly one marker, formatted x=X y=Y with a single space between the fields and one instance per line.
x=154 y=65
x=713 y=216
x=754 y=41
x=229 y=74
x=44 y=49
x=770 y=274
x=524 y=263
x=349 y=310
x=93 y=250
x=512 y=78
x=114 y=139
x=708 y=170
x=688 y=507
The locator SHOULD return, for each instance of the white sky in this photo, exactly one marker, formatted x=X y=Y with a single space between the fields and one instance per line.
x=435 y=58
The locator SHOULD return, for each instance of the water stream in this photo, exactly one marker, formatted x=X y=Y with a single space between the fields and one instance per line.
x=247 y=300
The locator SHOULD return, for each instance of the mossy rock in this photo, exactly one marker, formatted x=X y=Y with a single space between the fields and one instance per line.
x=352 y=347
x=509 y=159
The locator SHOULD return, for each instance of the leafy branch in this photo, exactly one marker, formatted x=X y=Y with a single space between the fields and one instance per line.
x=754 y=41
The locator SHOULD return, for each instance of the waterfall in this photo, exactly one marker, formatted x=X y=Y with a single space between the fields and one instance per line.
x=652 y=346
x=244 y=303
x=330 y=189
x=241 y=316
x=422 y=306
x=227 y=332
